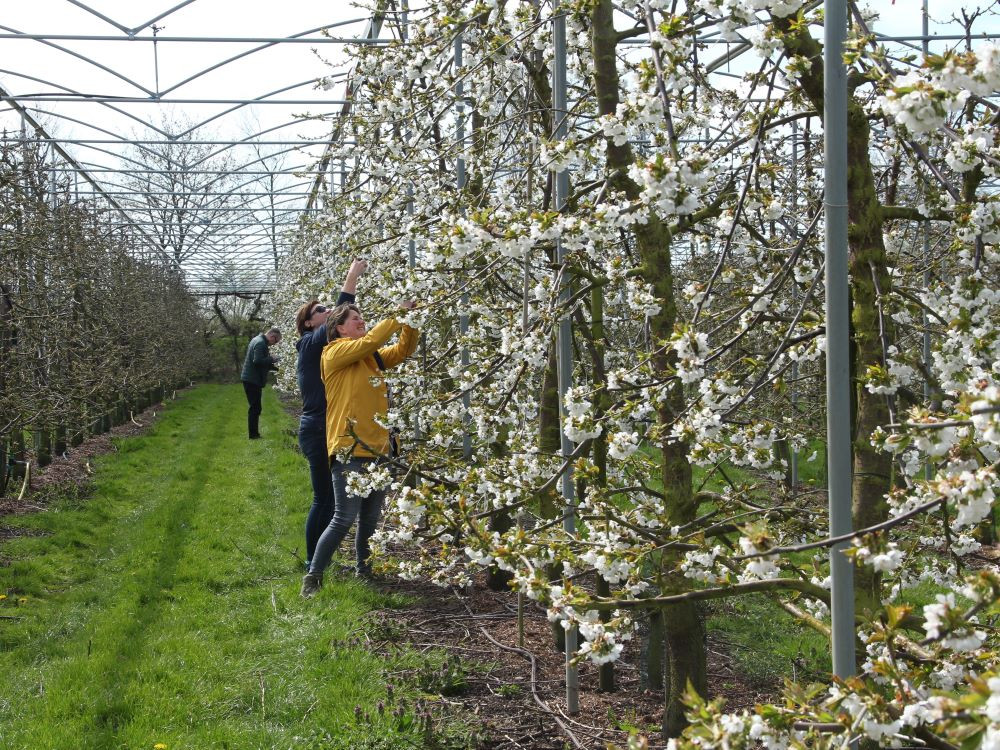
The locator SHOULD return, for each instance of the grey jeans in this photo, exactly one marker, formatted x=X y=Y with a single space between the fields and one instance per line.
x=366 y=510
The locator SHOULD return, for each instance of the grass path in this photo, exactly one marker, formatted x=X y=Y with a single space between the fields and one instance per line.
x=165 y=608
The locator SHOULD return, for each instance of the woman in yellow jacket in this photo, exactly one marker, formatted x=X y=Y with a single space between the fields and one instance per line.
x=352 y=367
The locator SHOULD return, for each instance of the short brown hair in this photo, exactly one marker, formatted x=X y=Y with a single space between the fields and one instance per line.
x=304 y=313
x=337 y=318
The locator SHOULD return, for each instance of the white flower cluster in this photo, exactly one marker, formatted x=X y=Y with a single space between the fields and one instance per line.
x=939 y=623
x=888 y=380
x=967 y=153
x=986 y=414
x=691 y=348
x=363 y=483
x=972 y=493
x=759 y=568
x=579 y=424
x=882 y=561
x=922 y=100
x=673 y=188
x=603 y=642
x=699 y=565
x=970 y=351
x=623 y=444
x=983 y=222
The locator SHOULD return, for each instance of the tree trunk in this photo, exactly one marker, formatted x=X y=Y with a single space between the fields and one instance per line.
x=683 y=629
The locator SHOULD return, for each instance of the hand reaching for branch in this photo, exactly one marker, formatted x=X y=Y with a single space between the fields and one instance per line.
x=358 y=267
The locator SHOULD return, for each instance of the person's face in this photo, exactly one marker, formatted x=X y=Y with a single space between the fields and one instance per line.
x=318 y=318
x=272 y=339
x=353 y=327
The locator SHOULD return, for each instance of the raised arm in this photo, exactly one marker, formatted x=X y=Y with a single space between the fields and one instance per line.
x=348 y=291
x=342 y=352
x=407 y=344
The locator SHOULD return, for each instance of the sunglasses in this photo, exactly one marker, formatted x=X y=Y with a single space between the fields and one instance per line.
x=317 y=309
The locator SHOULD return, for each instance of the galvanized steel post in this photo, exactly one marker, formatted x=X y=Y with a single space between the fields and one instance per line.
x=565 y=341
x=463 y=316
x=928 y=468
x=838 y=374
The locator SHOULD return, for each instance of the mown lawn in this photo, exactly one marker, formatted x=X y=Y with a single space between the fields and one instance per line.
x=165 y=609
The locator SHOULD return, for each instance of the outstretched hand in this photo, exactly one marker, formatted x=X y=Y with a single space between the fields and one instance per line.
x=358 y=267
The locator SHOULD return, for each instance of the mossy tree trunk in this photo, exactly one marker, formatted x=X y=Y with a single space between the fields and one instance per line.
x=683 y=630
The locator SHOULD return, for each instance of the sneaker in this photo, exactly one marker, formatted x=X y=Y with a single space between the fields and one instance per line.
x=310 y=585
x=366 y=575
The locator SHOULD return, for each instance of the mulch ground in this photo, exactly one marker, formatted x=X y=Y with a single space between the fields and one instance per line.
x=514 y=694
x=517 y=693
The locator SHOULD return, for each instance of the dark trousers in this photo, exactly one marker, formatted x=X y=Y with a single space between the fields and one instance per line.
x=312 y=442
x=253 y=392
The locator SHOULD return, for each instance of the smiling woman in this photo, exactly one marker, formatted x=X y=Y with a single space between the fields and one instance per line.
x=357 y=400
x=310 y=322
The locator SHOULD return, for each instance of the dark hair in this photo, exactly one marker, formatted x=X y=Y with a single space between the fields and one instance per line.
x=338 y=317
x=304 y=313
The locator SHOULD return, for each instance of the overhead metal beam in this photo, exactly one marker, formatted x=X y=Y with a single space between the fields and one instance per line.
x=269 y=40
x=154 y=99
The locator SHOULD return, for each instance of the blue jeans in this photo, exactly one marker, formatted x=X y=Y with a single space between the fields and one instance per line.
x=312 y=443
x=367 y=511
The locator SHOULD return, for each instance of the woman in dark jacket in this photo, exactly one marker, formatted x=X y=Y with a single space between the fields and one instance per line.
x=310 y=320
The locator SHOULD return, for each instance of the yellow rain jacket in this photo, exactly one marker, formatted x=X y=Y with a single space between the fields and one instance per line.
x=356 y=393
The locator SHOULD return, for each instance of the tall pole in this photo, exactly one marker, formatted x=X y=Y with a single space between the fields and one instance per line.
x=794 y=468
x=463 y=317
x=404 y=33
x=565 y=341
x=411 y=244
x=928 y=468
x=838 y=384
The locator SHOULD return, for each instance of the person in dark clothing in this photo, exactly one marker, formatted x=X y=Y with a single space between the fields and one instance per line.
x=310 y=321
x=257 y=364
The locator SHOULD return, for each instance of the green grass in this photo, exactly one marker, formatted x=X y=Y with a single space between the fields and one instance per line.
x=766 y=643
x=165 y=607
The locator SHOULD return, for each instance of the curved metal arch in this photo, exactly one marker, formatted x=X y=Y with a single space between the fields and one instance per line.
x=249 y=52
x=258 y=160
x=247 y=140
x=122 y=112
x=264 y=221
x=236 y=107
x=125 y=29
x=85 y=59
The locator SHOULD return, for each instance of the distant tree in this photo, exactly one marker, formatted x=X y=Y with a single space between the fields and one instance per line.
x=181 y=190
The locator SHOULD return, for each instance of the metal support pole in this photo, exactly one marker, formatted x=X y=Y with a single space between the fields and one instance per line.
x=411 y=245
x=565 y=341
x=928 y=469
x=794 y=469
x=404 y=33
x=463 y=317
x=838 y=384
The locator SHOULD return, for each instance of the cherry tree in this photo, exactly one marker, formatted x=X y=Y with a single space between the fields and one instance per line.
x=687 y=258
